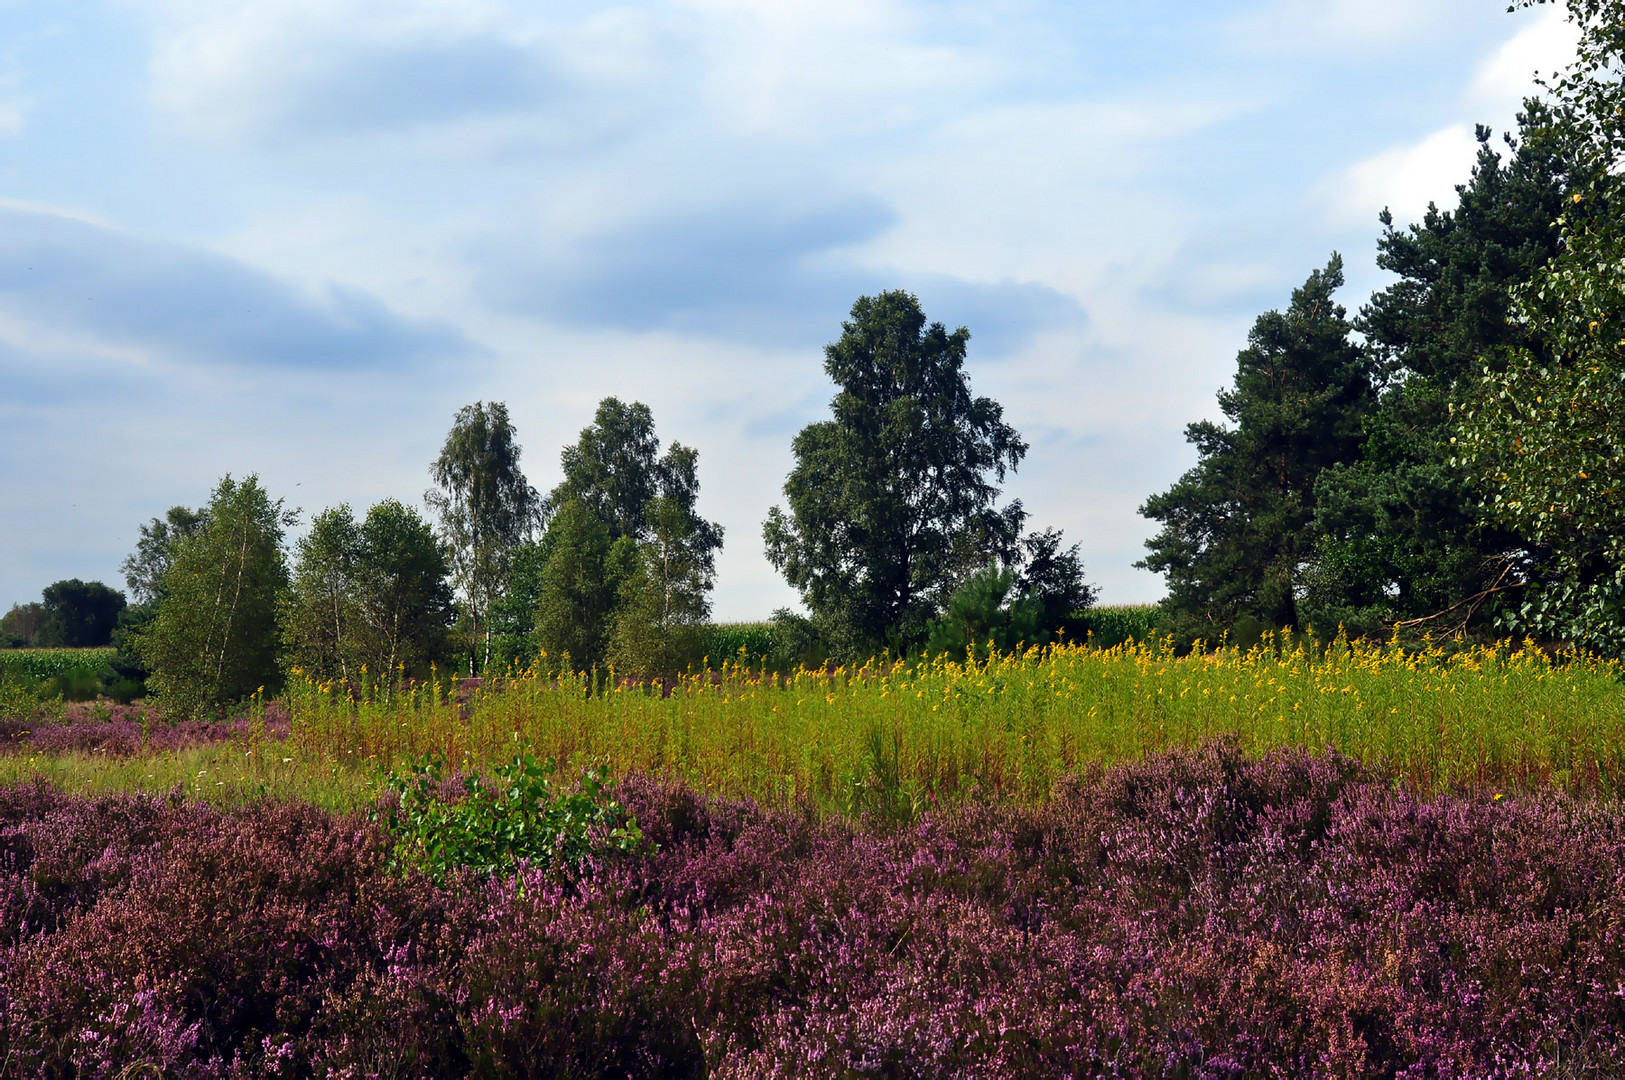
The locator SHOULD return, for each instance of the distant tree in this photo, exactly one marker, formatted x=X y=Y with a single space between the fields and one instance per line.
x=154 y=550
x=581 y=586
x=987 y=614
x=368 y=600
x=513 y=614
x=1236 y=529
x=79 y=614
x=662 y=554
x=321 y=610
x=1400 y=534
x=1053 y=576
x=405 y=598
x=613 y=467
x=665 y=598
x=486 y=509
x=892 y=500
x=214 y=638
x=20 y=627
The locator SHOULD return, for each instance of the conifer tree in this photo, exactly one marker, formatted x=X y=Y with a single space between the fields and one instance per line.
x=1401 y=537
x=1236 y=528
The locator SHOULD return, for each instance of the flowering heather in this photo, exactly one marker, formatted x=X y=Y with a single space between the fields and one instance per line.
x=128 y=730
x=1197 y=914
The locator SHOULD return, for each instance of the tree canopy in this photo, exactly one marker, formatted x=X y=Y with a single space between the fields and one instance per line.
x=892 y=501
x=486 y=508
x=1236 y=529
x=214 y=638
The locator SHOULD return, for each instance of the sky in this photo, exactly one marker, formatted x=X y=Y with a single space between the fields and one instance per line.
x=293 y=237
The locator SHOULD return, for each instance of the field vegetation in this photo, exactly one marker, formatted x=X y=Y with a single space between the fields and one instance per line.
x=893 y=742
x=485 y=792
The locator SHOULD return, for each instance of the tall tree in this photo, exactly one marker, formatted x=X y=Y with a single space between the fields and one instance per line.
x=666 y=596
x=321 y=610
x=581 y=586
x=661 y=558
x=405 y=600
x=1236 y=528
x=612 y=467
x=20 y=626
x=369 y=600
x=1401 y=536
x=214 y=638
x=614 y=470
x=155 y=550
x=80 y=614
x=1545 y=436
x=486 y=508
x=892 y=500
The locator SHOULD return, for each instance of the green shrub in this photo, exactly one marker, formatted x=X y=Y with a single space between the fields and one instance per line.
x=517 y=815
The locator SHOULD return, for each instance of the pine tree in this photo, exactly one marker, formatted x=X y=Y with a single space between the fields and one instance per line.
x=1401 y=536
x=1236 y=529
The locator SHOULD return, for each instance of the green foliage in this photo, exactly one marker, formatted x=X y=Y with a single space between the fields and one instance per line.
x=891 y=501
x=320 y=612
x=20 y=627
x=1401 y=536
x=214 y=638
x=79 y=614
x=1236 y=529
x=513 y=615
x=517 y=816
x=1053 y=577
x=665 y=599
x=986 y=616
x=39 y=664
x=751 y=644
x=1545 y=436
x=581 y=586
x=369 y=600
x=1108 y=626
x=654 y=557
x=612 y=467
x=35 y=677
x=145 y=567
x=486 y=509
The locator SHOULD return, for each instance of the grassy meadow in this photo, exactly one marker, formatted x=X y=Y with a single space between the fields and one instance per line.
x=902 y=739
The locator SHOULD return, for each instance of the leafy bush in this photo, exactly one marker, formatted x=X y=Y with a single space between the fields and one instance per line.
x=518 y=816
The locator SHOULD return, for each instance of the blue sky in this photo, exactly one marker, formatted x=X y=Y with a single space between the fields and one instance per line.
x=292 y=236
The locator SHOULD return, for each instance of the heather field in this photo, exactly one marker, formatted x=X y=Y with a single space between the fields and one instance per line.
x=1291 y=860
x=1194 y=914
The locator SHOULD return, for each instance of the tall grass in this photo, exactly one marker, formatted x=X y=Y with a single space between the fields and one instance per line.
x=40 y=664
x=904 y=738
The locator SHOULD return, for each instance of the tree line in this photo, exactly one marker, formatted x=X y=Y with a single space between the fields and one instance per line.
x=1447 y=460
x=893 y=532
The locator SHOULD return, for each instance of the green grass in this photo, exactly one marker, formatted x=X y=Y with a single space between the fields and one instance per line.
x=905 y=739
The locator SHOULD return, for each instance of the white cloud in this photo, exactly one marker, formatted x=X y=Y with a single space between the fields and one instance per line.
x=1404 y=178
x=1506 y=77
